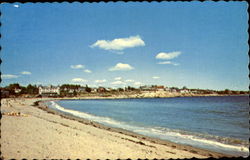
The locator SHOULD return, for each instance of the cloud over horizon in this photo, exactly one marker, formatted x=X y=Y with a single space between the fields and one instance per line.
x=138 y=83
x=167 y=56
x=118 y=83
x=78 y=80
x=100 y=81
x=118 y=78
x=119 y=43
x=26 y=73
x=8 y=76
x=78 y=66
x=169 y=62
x=87 y=71
x=129 y=80
x=121 y=67
x=155 y=77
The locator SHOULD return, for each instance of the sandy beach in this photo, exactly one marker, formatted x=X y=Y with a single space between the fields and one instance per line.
x=29 y=131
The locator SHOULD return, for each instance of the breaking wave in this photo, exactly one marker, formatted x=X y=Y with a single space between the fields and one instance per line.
x=211 y=142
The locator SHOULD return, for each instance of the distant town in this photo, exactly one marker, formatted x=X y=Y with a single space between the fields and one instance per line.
x=72 y=90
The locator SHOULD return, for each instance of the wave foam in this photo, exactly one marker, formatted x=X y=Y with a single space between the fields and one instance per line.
x=105 y=120
x=158 y=132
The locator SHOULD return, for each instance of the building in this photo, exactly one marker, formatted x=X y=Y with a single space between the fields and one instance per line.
x=49 y=91
x=159 y=88
x=167 y=89
x=194 y=91
x=94 y=89
x=184 y=91
x=17 y=90
x=146 y=88
x=173 y=90
x=109 y=89
x=81 y=90
x=101 y=89
x=152 y=88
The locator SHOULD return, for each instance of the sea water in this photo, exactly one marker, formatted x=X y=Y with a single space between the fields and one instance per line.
x=219 y=124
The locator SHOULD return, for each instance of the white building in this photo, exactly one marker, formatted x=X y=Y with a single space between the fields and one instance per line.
x=81 y=89
x=184 y=91
x=167 y=89
x=94 y=89
x=17 y=90
x=49 y=90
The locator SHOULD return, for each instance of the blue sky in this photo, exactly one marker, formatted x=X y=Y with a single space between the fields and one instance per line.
x=198 y=45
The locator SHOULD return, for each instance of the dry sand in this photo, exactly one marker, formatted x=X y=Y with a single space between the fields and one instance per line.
x=36 y=133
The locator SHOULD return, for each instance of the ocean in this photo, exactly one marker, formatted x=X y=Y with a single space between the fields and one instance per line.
x=219 y=124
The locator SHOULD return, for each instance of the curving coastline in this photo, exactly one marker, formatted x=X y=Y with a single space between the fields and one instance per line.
x=47 y=133
x=188 y=148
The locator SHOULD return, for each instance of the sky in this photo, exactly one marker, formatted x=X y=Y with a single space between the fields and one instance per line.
x=175 y=44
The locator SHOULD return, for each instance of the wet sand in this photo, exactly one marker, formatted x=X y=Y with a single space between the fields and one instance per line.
x=36 y=131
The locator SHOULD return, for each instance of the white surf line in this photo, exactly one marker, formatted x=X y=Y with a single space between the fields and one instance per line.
x=156 y=131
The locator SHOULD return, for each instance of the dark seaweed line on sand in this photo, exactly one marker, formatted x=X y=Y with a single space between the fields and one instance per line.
x=204 y=152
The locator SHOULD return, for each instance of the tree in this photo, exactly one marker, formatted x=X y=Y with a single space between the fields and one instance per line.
x=244 y=92
x=32 y=89
x=120 y=89
x=23 y=90
x=69 y=86
x=88 y=89
x=227 y=91
x=184 y=87
x=130 y=88
x=12 y=88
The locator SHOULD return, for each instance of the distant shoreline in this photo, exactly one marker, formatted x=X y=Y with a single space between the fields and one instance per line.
x=137 y=97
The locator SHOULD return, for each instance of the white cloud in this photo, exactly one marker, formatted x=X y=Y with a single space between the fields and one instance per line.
x=155 y=77
x=167 y=56
x=165 y=62
x=117 y=52
x=118 y=83
x=118 y=78
x=87 y=71
x=100 y=81
x=26 y=73
x=78 y=80
x=8 y=76
x=121 y=67
x=16 y=5
x=169 y=62
x=137 y=83
x=119 y=43
x=78 y=66
x=129 y=80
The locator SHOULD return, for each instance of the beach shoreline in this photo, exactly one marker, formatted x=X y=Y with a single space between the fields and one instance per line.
x=167 y=149
x=204 y=152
